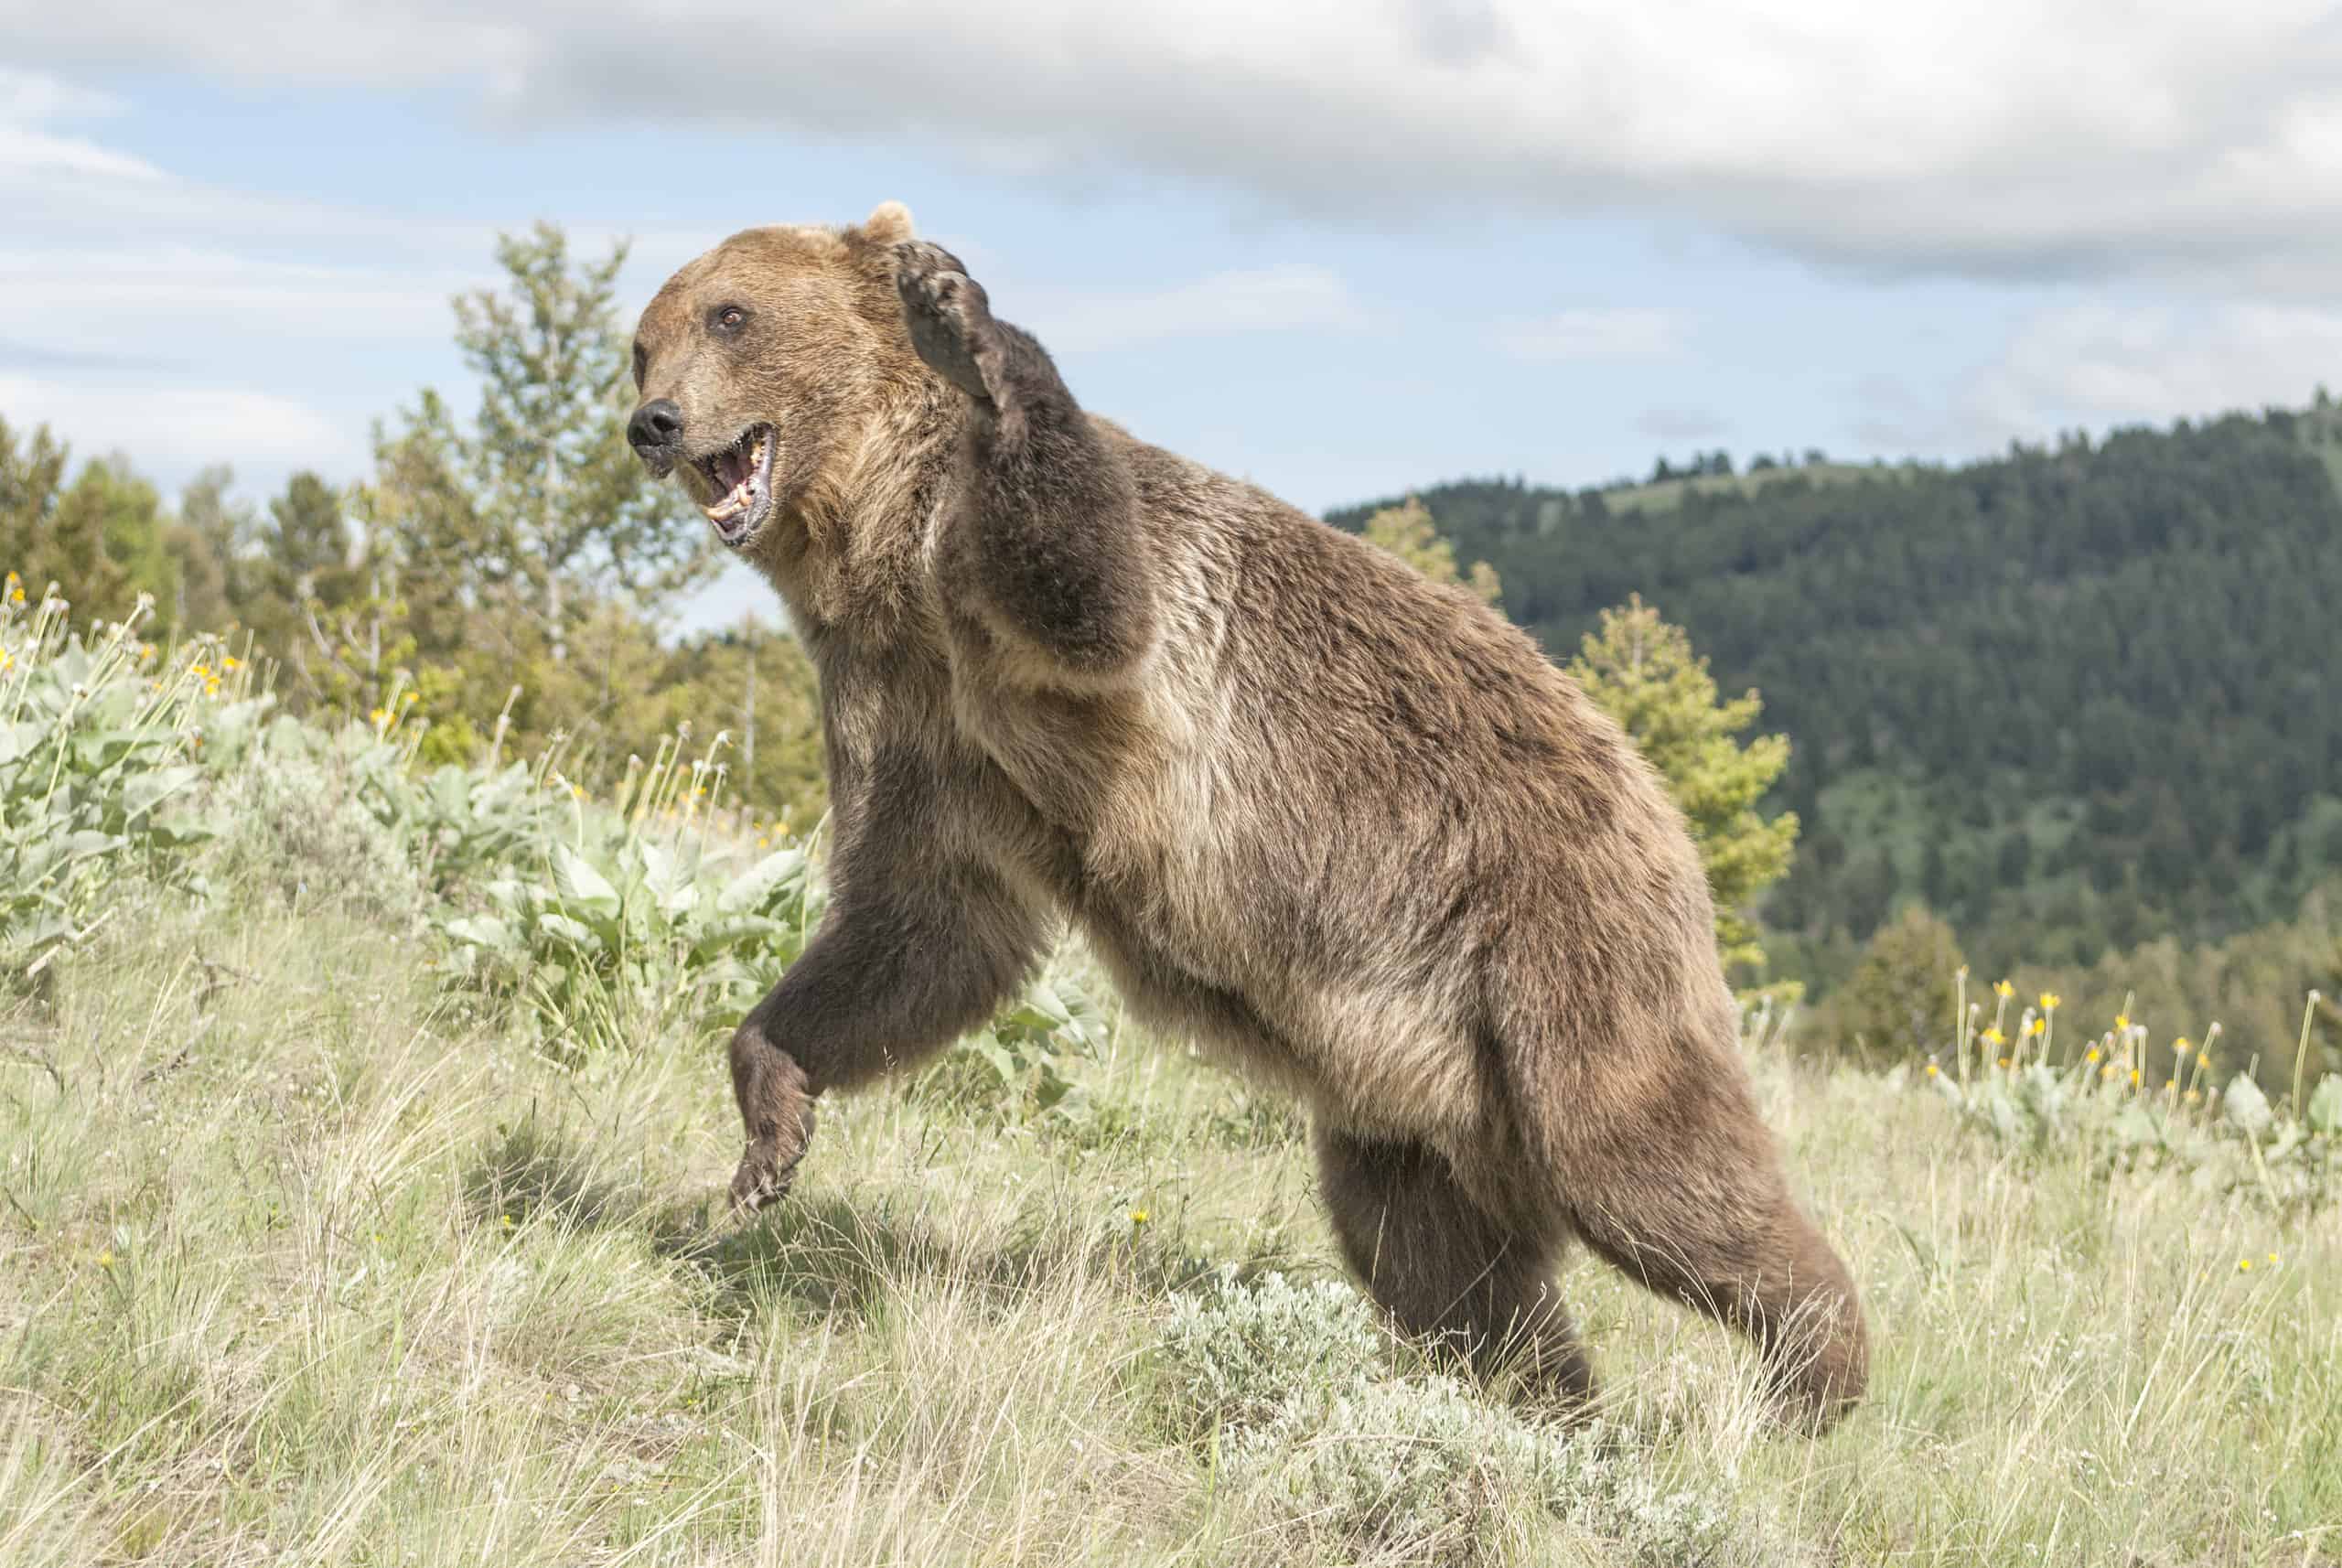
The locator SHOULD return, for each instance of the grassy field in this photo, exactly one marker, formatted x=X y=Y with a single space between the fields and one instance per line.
x=362 y=1134
x=304 y=1261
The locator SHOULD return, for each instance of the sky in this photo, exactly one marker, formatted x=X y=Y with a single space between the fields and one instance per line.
x=1339 y=249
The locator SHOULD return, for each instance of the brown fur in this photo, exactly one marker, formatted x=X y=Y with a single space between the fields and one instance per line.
x=1347 y=828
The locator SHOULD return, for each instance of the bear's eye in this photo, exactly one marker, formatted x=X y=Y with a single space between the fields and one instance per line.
x=727 y=318
x=641 y=364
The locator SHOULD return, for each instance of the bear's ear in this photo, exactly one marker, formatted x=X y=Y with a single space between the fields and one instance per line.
x=889 y=222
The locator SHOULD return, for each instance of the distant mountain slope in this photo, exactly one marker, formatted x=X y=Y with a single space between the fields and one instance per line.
x=2071 y=697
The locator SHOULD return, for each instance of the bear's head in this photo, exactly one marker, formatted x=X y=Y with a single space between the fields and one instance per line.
x=763 y=365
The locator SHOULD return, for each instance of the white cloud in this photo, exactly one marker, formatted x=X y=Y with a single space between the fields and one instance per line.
x=33 y=98
x=1619 y=333
x=28 y=101
x=2097 y=364
x=1680 y=424
x=2115 y=364
x=1297 y=297
x=1980 y=136
x=178 y=429
x=93 y=301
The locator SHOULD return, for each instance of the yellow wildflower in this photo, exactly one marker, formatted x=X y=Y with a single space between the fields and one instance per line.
x=2035 y=1026
x=2204 y=1059
x=2005 y=991
x=1139 y=1216
x=2093 y=1055
x=2121 y=1022
x=2134 y=1077
x=1931 y=1069
x=2005 y=1061
x=1993 y=1037
x=2049 y=999
x=228 y=662
x=2244 y=1265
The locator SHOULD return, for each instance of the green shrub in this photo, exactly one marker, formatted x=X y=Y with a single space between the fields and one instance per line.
x=102 y=741
x=1316 y=1427
x=292 y=824
x=1235 y=1354
x=1900 y=1001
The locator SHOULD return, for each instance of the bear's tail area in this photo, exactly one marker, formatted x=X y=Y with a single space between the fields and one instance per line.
x=1758 y=1264
x=1656 y=1152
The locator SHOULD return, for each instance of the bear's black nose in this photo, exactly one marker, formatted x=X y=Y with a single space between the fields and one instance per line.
x=654 y=426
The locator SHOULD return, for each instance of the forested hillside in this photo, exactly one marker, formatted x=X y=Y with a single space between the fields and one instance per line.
x=2072 y=699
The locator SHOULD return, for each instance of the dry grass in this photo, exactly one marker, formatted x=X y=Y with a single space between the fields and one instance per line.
x=301 y=1263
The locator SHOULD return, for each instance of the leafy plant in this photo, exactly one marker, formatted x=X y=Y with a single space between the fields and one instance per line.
x=625 y=923
x=97 y=759
x=1019 y=1062
x=2106 y=1102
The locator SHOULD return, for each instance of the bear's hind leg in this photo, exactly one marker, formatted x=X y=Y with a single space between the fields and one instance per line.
x=1446 y=1272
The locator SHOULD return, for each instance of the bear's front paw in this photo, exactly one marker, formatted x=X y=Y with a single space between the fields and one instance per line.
x=950 y=318
x=764 y=1176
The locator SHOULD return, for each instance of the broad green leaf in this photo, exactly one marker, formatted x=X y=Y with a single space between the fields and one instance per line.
x=578 y=882
x=576 y=933
x=144 y=791
x=2246 y=1108
x=484 y=931
x=753 y=889
x=2325 y=1106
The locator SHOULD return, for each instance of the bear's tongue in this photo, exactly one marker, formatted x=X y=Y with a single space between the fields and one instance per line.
x=733 y=468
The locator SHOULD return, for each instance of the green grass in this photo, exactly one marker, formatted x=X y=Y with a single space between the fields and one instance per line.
x=303 y=1262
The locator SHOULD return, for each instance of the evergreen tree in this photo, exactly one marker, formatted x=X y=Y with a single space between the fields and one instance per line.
x=1642 y=673
x=60 y=536
x=209 y=544
x=32 y=478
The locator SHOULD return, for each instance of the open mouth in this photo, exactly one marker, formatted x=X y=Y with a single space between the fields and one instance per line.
x=741 y=475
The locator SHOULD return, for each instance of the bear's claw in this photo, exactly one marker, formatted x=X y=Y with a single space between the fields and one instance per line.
x=762 y=1177
x=946 y=312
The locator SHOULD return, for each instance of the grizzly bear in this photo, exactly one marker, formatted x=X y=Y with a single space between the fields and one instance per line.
x=1346 y=828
